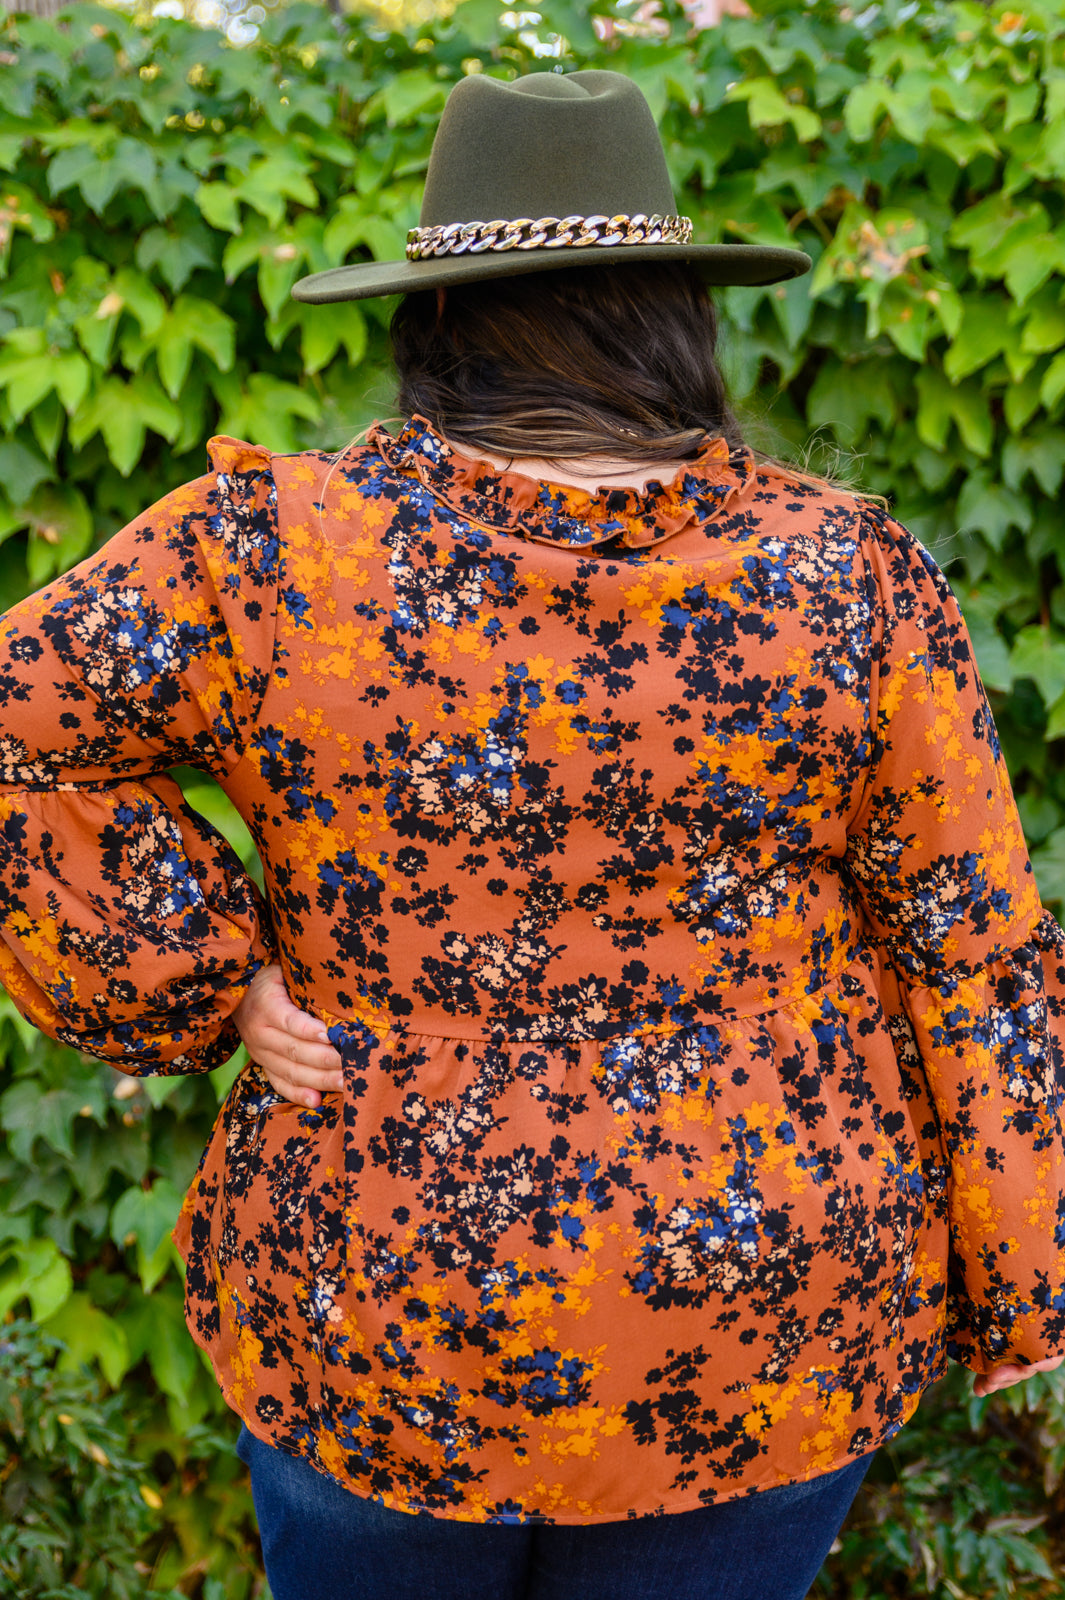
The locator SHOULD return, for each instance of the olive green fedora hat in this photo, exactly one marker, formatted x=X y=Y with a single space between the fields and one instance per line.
x=551 y=170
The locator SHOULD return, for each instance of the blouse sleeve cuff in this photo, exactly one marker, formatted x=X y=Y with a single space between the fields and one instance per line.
x=991 y=1043
x=129 y=928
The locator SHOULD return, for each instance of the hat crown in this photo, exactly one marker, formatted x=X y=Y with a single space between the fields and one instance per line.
x=546 y=145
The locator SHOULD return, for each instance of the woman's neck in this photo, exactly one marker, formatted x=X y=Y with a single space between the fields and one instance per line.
x=589 y=473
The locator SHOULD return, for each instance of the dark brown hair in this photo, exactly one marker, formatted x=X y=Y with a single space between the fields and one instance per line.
x=582 y=361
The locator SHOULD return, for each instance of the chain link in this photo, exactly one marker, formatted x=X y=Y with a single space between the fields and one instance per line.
x=548 y=233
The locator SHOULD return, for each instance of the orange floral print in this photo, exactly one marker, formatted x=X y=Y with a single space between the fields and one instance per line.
x=652 y=862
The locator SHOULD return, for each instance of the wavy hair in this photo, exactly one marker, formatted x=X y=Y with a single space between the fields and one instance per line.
x=580 y=361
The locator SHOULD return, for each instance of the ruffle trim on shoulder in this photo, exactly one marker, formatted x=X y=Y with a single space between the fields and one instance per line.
x=244 y=510
x=556 y=514
x=236 y=455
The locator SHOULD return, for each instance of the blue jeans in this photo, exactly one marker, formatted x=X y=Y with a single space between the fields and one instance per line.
x=322 y=1543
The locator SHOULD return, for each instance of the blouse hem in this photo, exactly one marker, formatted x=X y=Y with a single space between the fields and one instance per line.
x=535 y=1518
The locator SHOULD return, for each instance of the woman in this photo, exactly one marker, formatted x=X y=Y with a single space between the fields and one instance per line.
x=654 y=1002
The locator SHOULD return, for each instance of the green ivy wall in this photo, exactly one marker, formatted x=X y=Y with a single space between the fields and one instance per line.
x=159 y=194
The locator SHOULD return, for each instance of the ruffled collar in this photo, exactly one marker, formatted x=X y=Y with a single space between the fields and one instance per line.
x=552 y=513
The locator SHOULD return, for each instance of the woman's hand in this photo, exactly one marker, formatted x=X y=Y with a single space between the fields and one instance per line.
x=1005 y=1377
x=290 y=1045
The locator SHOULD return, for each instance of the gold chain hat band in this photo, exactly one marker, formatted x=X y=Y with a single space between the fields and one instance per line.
x=549 y=233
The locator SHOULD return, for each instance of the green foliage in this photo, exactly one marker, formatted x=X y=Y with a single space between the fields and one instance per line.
x=957 y=1506
x=160 y=192
x=81 y=1512
x=76 y=1505
x=91 y=1177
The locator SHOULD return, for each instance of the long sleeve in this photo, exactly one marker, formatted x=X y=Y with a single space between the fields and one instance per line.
x=938 y=854
x=128 y=927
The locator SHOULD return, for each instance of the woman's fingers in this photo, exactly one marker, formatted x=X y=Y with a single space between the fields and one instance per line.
x=291 y=1046
x=1006 y=1376
x=328 y=1079
x=302 y=1082
x=304 y=1086
x=300 y=1094
x=283 y=1047
x=299 y=1076
x=266 y=1011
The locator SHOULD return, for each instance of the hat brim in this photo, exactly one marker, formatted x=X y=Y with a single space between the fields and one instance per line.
x=720 y=264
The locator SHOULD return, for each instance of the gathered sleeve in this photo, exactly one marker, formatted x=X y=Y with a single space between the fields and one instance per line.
x=937 y=851
x=128 y=927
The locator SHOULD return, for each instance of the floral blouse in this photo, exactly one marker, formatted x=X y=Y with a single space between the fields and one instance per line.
x=652 y=861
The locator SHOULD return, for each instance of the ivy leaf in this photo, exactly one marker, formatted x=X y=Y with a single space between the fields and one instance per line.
x=776 y=47
x=247 y=247
x=991 y=509
x=574 y=23
x=218 y=206
x=316 y=105
x=34 y=1269
x=96 y=330
x=158 y=1090
x=27 y=381
x=940 y=403
x=33 y=371
x=263 y=409
x=790 y=166
x=1044 y=327
x=174 y=182
x=156 y=1329
x=97 y=183
x=70 y=166
x=123 y=412
x=278 y=270
x=982 y=336
x=1022 y=104
x=357 y=222
x=47 y=421
x=866 y=104
x=793 y=309
x=90 y=1336
x=992 y=652
x=223 y=1078
x=1040 y=452
x=145 y=1216
x=980 y=228
x=1027 y=255
x=192 y=323
x=22 y=468
x=11 y=149
x=21 y=210
x=963 y=144
x=406 y=95
x=905 y=315
x=134 y=165
x=140 y=296
x=272 y=179
x=321 y=336
x=768 y=108
x=847 y=397
x=1036 y=654
x=176 y=254
x=60 y=524
x=666 y=75
x=71 y=376
x=1053 y=385
x=28 y=1113
x=912 y=108
x=1022 y=402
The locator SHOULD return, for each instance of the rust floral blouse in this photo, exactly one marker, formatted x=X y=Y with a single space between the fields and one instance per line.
x=651 y=859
